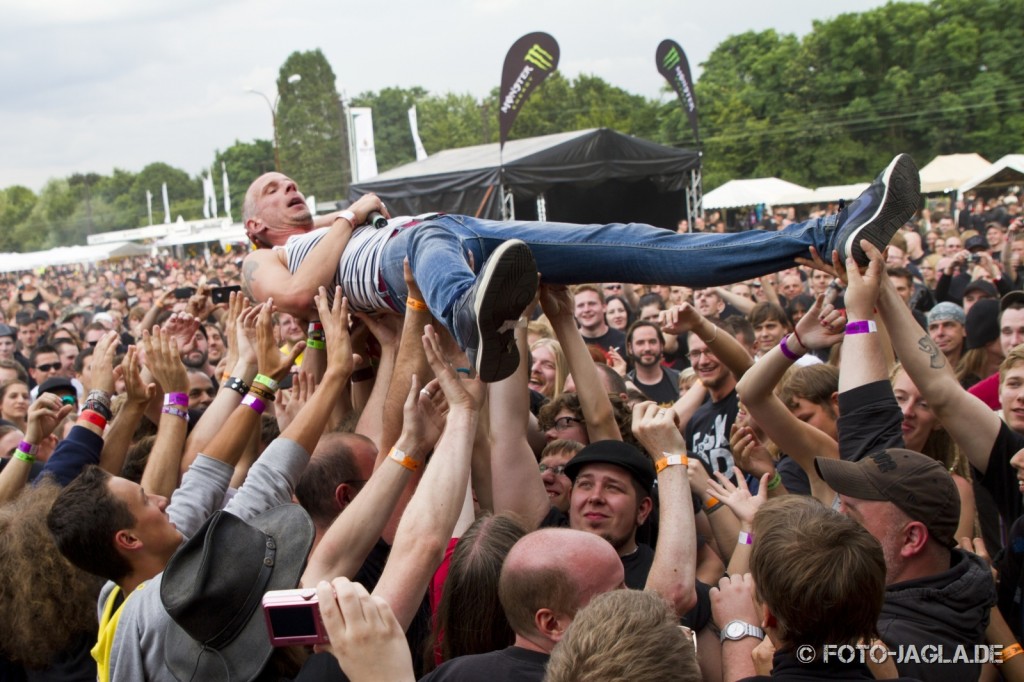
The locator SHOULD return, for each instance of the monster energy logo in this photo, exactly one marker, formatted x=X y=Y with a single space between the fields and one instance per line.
x=670 y=59
x=539 y=57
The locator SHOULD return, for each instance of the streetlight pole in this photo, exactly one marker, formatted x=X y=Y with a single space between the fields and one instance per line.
x=294 y=78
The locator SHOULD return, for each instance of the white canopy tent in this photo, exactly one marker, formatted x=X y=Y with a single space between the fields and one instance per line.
x=741 y=193
x=946 y=173
x=1005 y=172
x=70 y=255
x=826 y=195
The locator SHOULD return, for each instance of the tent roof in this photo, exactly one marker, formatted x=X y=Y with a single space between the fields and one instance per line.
x=530 y=167
x=826 y=195
x=739 y=193
x=947 y=172
x=69 y=255
x=1007 y=171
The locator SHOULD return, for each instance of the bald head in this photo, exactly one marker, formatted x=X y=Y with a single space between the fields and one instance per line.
x=557 y=569
x=337 y=471
x=274 y=209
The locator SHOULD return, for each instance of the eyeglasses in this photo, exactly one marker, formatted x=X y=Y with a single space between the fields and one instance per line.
x=615 y=287
x=694 y=355
x=563 y=423
x=556 y=470
x=48 y=368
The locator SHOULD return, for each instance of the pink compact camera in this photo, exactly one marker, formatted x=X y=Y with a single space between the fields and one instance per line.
x=293 y=618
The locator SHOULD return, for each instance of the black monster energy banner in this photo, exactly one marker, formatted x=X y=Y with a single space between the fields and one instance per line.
x=672 y=64
x=529 y=61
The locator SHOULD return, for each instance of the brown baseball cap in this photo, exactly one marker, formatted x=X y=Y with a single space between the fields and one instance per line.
x=917 y=484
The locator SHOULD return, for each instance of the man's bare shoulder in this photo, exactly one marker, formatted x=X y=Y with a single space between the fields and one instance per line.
x=257 y=267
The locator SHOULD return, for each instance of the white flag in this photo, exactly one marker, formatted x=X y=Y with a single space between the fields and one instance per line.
x=421 y=153
x=149 y=205
x=366 y=153
x=167 y=206
x=227 y=196
x=206 y=197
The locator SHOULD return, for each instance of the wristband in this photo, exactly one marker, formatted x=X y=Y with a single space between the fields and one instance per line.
x=27 y=448
x=100 y=396
x=745 y=538
x=179 y=399
x=364 y=374
x=267 y=381
x=237 y=385
x=416 y=304
x=669 y=461
x=261 y=392
x=713 y=508
x=861 y=327
x=712 y=501
x=24 y=456
x=790 y=355
x=347 y=215
x=255 y=403
x=94 y=418
x=176 y=411
x=404 y=459
x=314 y=326
x=799 y=340
x=774 y=481
x=224 y=377
x=316 y=344
x=1006 y=654
x=96 y=406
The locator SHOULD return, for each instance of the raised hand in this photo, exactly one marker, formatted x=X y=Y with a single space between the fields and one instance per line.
x=679 y=319
x=269 y=360
x=43 y=417
x=335 y=322
x=737 y=496
x=164 y=361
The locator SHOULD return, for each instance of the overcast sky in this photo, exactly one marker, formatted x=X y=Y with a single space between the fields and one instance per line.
x=93 y=85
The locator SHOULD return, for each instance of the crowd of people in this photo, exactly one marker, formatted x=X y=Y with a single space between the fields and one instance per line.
x=782 y=442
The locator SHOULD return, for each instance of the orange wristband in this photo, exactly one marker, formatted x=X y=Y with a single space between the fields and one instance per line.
x=416 y=304
x=670 y=460
x=404 y=459
x=1009 y=652
x=94 y=418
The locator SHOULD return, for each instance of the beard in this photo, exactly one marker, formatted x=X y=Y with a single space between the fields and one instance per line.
x=195 y=360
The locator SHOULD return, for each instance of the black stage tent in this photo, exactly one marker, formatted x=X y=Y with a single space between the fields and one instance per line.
x=586 y=176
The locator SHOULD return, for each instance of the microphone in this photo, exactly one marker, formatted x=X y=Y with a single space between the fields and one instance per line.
x=377 y=219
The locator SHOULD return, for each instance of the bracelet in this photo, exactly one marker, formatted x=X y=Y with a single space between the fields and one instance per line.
x=237 y=385
x=712 y=501
x=714 y=336
x=179 y=399
x=261 y=392
x=27 y=448
x=774 y=481
x=224 y=377
x=404 y=459
x=364 y=374
x=669 y=461
x=267 y=381
x=24 y=456
x=713 y=508
x=314 y=326
x=255 y=403
x=176 y=411
x=745 y=538
x=1006 y=654
x=416 y=304
x=790 y=355
x=315 y=344
x=100 y=396
x=861 y=327
x=94 y=418
x=96 y=406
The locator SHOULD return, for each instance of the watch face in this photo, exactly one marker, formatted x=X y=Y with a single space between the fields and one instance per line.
x=735 y=629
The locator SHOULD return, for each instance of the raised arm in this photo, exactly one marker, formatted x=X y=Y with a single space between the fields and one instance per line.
x=968 y=420
x=164 y=463
x=556 y=301
x=684 y=318
x=43 y=416
x=516 y=484
x=427 y=524
x=673 y=571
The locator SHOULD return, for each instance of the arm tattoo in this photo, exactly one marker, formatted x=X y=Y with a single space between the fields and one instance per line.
x=936 y=359
x=248 y=273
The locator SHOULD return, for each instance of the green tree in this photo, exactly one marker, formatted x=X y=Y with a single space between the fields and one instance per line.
x=391 y=134
x=16 y=203
x=310 y=134
x=451 y=121
x=244 y=161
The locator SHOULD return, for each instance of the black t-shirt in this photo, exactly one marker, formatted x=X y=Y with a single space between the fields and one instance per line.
x=665 y=392
x=707 y=433
x=513 y=664
x=638 y=566
x=1000 y=478
x=612 y=338
x=793 y=477
x=786 y=667
x=869 y=420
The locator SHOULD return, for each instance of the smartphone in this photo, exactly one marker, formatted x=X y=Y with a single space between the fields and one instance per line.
x=293 y=618
x=221 y=294
x=184 y=292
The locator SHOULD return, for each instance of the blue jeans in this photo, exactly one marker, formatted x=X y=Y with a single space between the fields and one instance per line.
x=575 y=254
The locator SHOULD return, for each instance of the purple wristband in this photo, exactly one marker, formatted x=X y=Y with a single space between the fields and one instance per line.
x=179 y=399
x=861 y=327
x=255 y=403
x=28 y=448
x=786 y=351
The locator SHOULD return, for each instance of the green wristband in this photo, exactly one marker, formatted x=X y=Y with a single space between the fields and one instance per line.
x=774 y=482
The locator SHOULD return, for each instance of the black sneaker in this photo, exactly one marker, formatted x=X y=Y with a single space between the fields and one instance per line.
x=486 y=316
x=880 y=210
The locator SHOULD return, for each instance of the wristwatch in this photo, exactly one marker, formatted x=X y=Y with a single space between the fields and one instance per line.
x=738 y=629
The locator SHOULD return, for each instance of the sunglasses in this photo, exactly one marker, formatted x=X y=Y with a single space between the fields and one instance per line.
x=48 y=368
x=556 y=470
x=563 y=423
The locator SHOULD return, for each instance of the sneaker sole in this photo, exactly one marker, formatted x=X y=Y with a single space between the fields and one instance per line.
x=508 y=283
x=901 y=200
